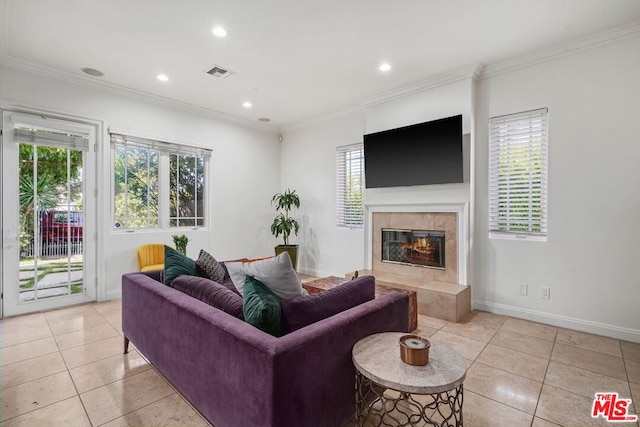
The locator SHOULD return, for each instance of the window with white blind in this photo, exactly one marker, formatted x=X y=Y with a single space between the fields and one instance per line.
x=157 y=183
x=518 y=153
x=350 y=186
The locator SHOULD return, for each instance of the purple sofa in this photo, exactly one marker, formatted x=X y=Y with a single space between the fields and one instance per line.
x=237 y=375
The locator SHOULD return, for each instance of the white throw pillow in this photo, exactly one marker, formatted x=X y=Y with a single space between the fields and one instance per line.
x=237 y=275
x=276 y=273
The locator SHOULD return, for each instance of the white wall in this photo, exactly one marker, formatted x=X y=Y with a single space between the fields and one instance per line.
x=309 y=167
x=245 y=170
x=591 y=256
x=594 y=188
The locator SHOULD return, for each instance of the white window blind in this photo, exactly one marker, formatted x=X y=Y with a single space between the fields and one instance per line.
x=49 y=132
x=51 y=139
x=518 y=155
x=159 y=146
x=350 y=186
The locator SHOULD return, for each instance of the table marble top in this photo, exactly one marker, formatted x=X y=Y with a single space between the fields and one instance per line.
x=378 y=358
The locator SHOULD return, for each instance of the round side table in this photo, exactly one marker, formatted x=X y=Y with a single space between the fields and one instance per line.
x=390 y=392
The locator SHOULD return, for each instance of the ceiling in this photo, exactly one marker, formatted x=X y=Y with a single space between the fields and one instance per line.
x=295 y=60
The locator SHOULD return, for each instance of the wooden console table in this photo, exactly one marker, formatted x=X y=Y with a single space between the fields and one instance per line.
x=326 y=283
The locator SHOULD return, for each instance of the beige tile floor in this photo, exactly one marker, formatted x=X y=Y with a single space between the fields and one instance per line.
x=66 y=368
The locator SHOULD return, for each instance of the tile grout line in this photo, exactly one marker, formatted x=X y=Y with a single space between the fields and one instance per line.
x=150 y=403
x=544 y=378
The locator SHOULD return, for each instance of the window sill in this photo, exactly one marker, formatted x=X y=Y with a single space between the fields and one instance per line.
x=516 y=236
x=347 y=227
x=120 y=231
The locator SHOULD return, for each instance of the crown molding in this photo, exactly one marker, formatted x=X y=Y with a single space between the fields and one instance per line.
x=443 y=79
x=93 y=83
x=562 y=49
x=337 y=114
x=468 y=72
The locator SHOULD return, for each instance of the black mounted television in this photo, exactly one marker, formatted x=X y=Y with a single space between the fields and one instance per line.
x=421 y=154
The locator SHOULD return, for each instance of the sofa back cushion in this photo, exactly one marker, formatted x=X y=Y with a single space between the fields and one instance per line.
x=211 y=293
x=305 y=310
x=176 y=264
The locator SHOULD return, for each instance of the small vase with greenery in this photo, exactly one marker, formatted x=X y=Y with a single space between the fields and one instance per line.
x=284 y=224
x=181 y=243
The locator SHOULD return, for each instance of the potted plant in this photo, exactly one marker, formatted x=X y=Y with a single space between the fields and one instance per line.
x=284 y=224
x=181 y=243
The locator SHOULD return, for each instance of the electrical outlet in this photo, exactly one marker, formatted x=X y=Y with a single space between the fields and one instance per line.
x=524 y=289
x=545 y=293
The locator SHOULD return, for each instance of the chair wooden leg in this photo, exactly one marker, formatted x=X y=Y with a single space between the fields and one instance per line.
x=126 y=345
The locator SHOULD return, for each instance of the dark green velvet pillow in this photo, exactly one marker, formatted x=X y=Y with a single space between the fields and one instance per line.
x=261 y=307
x=176 y=264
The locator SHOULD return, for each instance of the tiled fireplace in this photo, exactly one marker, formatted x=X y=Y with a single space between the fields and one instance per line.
x=417 y=244
x=421 y=247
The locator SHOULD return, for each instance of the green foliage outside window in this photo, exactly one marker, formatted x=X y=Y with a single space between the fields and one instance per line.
x=43 y=184
x=186 y=190
x=135 y=187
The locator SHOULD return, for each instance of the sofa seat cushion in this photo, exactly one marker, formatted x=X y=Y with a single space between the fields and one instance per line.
x=211 y=293
x=153 y=267
x=261 y=307
x=276 y=273
x=176 y=264
x=305 y=310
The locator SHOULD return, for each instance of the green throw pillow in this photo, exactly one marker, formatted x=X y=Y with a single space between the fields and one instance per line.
x=261 y=307
x=176 y=264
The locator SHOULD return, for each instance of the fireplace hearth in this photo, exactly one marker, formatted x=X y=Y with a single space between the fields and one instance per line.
x=423 y=248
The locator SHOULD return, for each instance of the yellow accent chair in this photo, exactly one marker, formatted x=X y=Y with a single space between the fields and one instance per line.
x=151 y=257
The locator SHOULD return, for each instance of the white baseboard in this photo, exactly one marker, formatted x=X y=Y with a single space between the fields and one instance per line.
x=612 y=331
x=115 y=294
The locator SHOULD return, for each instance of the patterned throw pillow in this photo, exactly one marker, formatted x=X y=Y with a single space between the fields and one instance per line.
x=261 y=307
x=210 y=268
x=176 y=264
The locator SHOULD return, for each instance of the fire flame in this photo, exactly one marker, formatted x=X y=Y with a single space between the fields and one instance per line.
x=420 y=244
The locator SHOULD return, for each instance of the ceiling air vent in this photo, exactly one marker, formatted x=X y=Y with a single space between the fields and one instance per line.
x=219 y=72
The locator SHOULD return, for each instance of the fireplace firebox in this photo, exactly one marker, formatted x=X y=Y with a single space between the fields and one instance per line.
x=423 y=248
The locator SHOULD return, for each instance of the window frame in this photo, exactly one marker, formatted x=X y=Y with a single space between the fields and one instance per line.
x=198 y=215
x=522 y=140
x=114 y=148
x=164 y=151
x=342 y=206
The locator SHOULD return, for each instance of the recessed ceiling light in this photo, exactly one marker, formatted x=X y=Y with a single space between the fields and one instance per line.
x=219 y=32
x=163 y=77
x=247 y=104
x=384 y=67
x=264 y=119
x=92 y=72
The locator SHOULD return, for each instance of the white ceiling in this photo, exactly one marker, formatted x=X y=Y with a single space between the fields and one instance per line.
x=295 y=59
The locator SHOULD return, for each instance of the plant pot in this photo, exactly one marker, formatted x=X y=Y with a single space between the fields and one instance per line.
x=293 y=253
